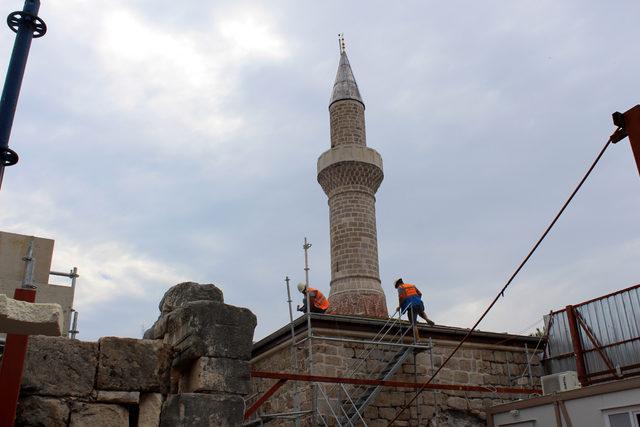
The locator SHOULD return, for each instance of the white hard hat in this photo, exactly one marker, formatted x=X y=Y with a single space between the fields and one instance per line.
x=302 y=287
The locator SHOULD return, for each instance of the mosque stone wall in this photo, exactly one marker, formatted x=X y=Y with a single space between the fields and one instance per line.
x=483 y=365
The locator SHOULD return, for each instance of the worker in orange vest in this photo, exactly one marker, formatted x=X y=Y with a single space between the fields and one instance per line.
x=319 y=304
x=410 y=299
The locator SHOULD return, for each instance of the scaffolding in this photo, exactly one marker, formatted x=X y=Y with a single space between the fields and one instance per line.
x=343 y=399
x=344 y=404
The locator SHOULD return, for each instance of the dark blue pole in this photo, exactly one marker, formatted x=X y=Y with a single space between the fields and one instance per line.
x=26 y=25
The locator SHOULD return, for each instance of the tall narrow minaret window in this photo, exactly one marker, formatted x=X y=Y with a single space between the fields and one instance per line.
x=350 y=174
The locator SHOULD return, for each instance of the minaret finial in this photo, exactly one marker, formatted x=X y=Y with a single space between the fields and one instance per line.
x=341 y=44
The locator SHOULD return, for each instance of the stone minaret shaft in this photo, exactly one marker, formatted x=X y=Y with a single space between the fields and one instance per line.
x=350 y=174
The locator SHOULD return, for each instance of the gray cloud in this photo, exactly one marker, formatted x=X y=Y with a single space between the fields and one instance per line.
x=163 y=142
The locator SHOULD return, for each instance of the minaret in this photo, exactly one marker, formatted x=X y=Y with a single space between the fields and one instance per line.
x=350 y=174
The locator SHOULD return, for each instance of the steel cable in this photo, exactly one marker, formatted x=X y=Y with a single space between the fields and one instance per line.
x=515 y=273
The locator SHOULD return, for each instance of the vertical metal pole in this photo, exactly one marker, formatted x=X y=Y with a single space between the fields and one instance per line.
x=74 y=326
x=314 y=401
x=577 y=345
x=526 y=352
x=72 y=321
x=435 y=395
x=27 y=280
x=27 y=25
x=294 y=355
x=415 y=380
x=15 y=352
x=415 y=368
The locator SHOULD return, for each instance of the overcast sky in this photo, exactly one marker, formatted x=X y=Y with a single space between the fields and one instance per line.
x=165 y=141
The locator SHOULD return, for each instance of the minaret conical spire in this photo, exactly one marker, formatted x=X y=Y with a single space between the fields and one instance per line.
x=345 y=86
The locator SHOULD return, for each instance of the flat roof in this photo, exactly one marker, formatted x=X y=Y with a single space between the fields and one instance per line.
x=590 y=390
x=373 y=325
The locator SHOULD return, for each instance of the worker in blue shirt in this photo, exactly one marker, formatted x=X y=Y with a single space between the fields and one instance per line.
x=410 y=299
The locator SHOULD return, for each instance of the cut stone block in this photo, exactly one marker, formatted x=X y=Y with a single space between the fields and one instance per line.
x=200 y=410
x=157 y=331
x=178 y=296
x=210 y=329
x=186 y=292
x=26 y=318
x=457 y=403
x=57 y=366
x=98 y=415
x=128 y=364
x=42 y=412
x=217 y=375
x=124 y=397
x=150 y=409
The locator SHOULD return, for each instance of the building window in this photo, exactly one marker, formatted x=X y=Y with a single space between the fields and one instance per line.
x=622 y=417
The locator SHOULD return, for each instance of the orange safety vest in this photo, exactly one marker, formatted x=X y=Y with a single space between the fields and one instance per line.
x=319 y=301
x=406 y=290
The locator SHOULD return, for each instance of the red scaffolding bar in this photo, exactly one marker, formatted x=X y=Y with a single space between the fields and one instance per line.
x=283 y=377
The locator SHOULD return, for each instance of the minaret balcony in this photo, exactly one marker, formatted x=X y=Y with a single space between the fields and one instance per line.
x=349 y=153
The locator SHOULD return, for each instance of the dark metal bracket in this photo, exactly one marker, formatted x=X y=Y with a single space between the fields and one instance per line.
x=18 y=18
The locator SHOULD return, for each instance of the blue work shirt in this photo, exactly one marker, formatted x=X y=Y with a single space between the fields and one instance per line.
x=411 y=301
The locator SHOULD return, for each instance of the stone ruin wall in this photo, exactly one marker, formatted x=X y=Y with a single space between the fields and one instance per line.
x=474 y=364
x=192 y=370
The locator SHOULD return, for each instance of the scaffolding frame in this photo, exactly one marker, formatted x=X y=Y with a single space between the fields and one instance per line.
x=317 y=383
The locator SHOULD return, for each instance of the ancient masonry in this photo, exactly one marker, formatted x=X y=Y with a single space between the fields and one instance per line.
x=488 y=360
x=191 y=370
x=350 y=174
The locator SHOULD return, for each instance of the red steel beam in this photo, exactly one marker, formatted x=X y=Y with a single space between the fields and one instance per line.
x=264 y=397
x=589 y=350
x=400 y=384
x=577 y=345
x=632 y=126
x=596 y=344
x=613 y=371
x=15 y=351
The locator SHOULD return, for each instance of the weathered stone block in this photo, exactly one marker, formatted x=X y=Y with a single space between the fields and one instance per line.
x=128 y=364
x=124 y=397
x=57 y=366
x=466 y=365
x=36 y=411
x=149 y=410
x=98 y=415
x=157 y=331
x=475 y=378
x=178 y=296
x=202 y=410
x=519 y=358
x=187 y=292
x=217 y=375
x=387 y=413
x=27 y=318
x=210 y=329
x=457 y=403
x=460 y=377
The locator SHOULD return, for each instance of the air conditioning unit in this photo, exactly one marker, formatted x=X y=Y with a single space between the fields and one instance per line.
x=561 y=381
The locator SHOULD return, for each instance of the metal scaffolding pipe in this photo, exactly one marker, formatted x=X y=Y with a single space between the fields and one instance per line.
x=26 y=25
x=418 y=346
